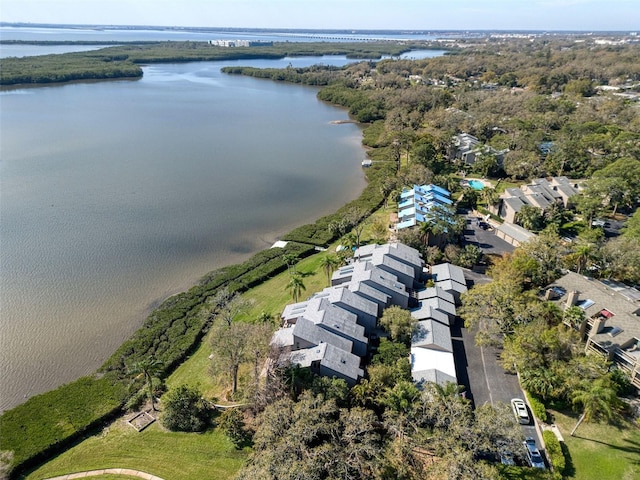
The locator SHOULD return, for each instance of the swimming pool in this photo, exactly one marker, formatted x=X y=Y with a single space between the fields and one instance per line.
x=476 y=184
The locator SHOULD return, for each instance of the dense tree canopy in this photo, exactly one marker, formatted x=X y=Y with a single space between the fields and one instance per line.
x=185 y=410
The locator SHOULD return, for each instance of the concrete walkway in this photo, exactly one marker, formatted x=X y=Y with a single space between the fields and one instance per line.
x=107 y=471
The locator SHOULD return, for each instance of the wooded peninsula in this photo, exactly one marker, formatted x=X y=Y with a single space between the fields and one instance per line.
x=539 y=107
x=124 y=61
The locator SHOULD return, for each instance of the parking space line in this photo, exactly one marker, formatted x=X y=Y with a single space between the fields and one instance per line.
x=486 y=378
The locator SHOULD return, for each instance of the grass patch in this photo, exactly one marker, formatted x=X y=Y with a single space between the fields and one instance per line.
x=170 y=455
x=600 y=451
x=272 y=296
x=194 y=371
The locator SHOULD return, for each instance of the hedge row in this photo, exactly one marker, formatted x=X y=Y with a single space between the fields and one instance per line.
x=554 y=451
x=539 y=410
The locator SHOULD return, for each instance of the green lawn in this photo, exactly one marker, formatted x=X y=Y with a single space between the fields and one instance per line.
x=170 y=455
x=600 y=451
x=195 y=372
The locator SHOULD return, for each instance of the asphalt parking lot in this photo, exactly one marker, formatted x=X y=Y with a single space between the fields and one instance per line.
x=475 y=234
x=479 y=369
x=612 y=228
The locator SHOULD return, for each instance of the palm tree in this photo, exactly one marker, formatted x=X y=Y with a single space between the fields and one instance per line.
x=598 y=400
x=147 y=369
x=290 y=259
x=573 y=316
x=427 y=229
x=529 y=217
x=265 y=317
x=296 y=285
x=541 y=381
x=348 y=241
x=489 y=196
x=582 y=253
x=329 y=264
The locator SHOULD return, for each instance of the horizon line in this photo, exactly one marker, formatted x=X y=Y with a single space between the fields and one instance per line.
x=302 y=29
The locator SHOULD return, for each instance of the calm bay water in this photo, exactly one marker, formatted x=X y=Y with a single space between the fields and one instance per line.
x=115 y=195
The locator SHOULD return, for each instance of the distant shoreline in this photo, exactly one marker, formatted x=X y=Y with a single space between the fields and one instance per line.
x=349 y=31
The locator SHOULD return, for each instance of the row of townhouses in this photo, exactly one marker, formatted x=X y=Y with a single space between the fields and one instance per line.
x=331 y=332
x=540 y=193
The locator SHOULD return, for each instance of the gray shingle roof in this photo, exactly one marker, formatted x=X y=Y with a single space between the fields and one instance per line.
x=347 y=297
x=440 y=304
x=537 y=200
x=567 y=190
x=398 y=251
x=331 y=358
x=335 y=319
x=432 y=292
x=283 y=338
x=516 y=232
x=545 y=190
x=433 y=335
x=452 y=286
x=446 y=271
x=309 y=332
x=385 y=262
x=625 y=309
x=428 y=312
x=368 y=292
x=433 y=375
x=513 y=193
x=514 y=203
x=359 y=272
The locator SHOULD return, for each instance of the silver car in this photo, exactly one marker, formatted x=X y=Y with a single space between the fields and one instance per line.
x=533 y=454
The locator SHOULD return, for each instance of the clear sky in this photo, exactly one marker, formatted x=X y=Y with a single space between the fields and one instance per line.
x=338 y=14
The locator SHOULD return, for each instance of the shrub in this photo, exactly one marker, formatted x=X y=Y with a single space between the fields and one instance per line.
x=554 y=451
x=539 y=409
x=185 y=410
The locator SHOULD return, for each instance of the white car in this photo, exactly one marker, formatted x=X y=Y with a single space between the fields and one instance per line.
x=520 y=411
